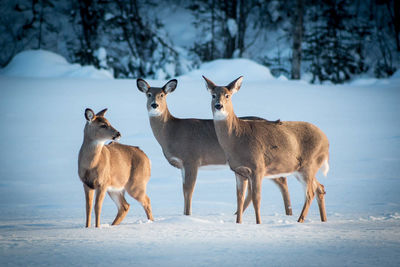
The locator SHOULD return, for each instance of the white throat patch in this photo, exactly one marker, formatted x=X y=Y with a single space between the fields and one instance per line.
x=154 y=112
x=220 y=115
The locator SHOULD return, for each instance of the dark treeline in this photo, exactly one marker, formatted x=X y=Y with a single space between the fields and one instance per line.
x=332 y=40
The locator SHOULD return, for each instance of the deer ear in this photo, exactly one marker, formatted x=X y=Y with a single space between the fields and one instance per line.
x=142 y=85
x=209 y=84
x=89 y=114
x=235 y=85
x=170 y=86
x=101 y=113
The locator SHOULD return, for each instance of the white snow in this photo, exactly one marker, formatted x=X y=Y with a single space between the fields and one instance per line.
x=232 y=27
x=42 y=202
x=46 y=64
x=217 y=70
x=101 y=55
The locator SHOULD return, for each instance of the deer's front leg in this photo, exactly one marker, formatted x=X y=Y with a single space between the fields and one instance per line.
x=241 y=184
x=282 y=184
x=256 y=182
x=89 y=193
x=100 y=194
x=189 y=175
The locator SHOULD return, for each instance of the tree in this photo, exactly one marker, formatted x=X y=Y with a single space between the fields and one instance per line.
x=90 y=15
x=223 y=23
x=332 y=48
x=297 y=36
x=137 y=44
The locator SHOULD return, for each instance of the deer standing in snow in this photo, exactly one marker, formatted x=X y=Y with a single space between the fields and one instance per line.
x=257 y=150
x=112 y=168
x=188 y=144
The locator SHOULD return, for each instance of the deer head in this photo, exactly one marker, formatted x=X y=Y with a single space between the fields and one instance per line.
x=97 y=128
x=156 y=96
x=221 y=103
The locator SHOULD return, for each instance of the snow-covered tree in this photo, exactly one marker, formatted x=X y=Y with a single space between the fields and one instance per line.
x=332 y=47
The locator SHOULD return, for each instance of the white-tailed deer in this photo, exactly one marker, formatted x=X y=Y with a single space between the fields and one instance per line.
x=256 y=149
x=112 y=168
x=188 y=144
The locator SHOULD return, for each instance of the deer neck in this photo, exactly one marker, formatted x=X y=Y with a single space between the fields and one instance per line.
x=227 y=129
x=90 y=153
x=159 y=125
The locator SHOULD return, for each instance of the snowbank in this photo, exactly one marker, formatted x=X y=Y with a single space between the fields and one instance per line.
x=45 y=64
x=230 y=69
x=42 y=200
x=396 y=75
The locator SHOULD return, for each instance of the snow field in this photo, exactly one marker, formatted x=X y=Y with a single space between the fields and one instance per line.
x=42 y=200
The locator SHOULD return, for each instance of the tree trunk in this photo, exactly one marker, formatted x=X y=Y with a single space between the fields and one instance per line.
x=89 y=29
x=243 y=12
x=297 y=39
x=40 y=26
x=212 y=57
x=230 y=12
x=396 y=21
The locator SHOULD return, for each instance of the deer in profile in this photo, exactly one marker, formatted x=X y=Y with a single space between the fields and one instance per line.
x=188 y=144
x=256 y=150
x=113 y=169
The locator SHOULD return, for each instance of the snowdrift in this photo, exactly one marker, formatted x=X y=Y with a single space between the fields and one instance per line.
x=42 y=201
x=230 y=69
x=46 y=64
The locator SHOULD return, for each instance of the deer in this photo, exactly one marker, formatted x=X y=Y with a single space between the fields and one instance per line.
x=255 y=150
x=188 y=144
x=113 y=168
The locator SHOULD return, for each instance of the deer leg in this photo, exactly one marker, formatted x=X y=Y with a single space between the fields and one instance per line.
x=122 y=205
x=145 y=201
x=309 y=188
x=321 y=201
x=100 y=194
x=248 y=197
x=89 y=193
x=282 y=184
x=247 y=200
x=256 y=182
x=138 y=192
x=189 y=175
x=241 y=184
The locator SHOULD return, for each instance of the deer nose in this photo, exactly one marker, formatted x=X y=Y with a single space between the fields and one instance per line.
x=154 y=105
x=117 y=136
x=218 y=106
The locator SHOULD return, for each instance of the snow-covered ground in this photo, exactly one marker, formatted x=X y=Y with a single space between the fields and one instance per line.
x=42 y=201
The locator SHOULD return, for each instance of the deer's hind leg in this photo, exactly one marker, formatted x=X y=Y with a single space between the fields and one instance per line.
x=310 y=186
x=321 y=201
x=145 y=201
x=123 y=206
x=139 y=193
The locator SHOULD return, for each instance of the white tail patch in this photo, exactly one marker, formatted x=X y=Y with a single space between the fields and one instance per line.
x=325 y=168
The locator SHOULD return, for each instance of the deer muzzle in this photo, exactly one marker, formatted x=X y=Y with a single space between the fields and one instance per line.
x=218 y=106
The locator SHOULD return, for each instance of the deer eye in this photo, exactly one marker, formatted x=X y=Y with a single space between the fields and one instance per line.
x=161 y=95
x=103 y=126
x=226 y=96
x=214 y=96
x=148 y=94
